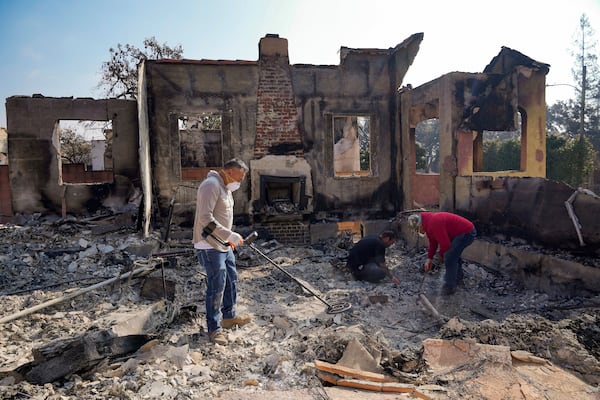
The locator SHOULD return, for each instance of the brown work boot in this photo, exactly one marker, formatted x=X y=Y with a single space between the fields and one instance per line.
x=238 y=320
x=218 y=337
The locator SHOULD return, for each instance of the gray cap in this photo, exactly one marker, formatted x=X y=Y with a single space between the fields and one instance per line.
x=414 y=221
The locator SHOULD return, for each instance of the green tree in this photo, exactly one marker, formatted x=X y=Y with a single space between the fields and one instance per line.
x=502 y=155
x=562 y=117
x=586 y=73
x=120 y=74
x=364 y=139
x=573 y=125
x=421 y=156
x=563 y=161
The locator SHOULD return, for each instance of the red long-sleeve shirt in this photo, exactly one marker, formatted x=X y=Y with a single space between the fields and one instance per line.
x=441 y=228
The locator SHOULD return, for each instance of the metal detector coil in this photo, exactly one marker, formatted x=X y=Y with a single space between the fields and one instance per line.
x=338 y=308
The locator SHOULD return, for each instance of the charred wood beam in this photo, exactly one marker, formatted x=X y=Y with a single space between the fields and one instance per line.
x=76 y=355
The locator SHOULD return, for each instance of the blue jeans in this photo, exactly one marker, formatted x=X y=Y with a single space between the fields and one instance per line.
x=452 y=260
x=221 y=286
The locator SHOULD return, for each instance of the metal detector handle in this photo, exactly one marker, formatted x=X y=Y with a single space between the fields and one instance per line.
x=251 y=238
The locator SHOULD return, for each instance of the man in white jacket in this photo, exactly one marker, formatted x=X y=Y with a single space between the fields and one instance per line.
x=214 y=242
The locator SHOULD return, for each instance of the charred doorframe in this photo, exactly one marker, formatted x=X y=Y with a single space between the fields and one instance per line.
x=492 y=112
x=424 y=187
x=501 y=138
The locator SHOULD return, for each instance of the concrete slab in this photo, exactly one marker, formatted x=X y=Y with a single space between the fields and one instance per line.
x=338 y=393
x=330 y=393
x=275 y=394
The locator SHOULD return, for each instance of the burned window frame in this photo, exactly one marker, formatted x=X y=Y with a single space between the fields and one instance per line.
x=85 y=173
x=198 y=172
x=336 y=134
x=434 y=163
x=479 y=144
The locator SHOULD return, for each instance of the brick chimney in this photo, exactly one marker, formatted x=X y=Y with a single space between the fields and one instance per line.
x=276 y=116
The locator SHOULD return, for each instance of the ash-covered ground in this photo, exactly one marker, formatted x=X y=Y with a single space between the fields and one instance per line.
x=42 y=260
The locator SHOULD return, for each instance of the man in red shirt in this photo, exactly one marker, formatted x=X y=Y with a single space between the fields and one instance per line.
x=450 y=233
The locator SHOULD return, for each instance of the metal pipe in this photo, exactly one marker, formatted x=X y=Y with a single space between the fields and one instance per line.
x=435 y=313
x=136 y=272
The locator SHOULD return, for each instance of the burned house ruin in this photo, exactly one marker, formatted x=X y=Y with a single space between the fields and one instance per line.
x=328 y=146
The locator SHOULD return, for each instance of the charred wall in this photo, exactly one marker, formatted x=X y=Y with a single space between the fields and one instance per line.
x=360 y=86
x=33 y=160
x=507 y=98
x=534 y=210
x=364 y=84
x=190 y=88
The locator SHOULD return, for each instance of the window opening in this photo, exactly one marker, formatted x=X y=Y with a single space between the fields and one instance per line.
x=84 y=149
x=3 y=147
x=352 y=146
x=201 y=144
x=500 y=150
x=427 y=146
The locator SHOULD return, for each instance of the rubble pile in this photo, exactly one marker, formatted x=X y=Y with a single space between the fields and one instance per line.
x=44 y=259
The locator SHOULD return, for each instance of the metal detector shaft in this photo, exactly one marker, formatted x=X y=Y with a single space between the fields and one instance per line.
x=253 y=247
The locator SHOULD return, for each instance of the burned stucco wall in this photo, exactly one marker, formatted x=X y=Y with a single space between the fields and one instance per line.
x=507 y=97
x=445 y=98
x=364 y=84
x=33 y=160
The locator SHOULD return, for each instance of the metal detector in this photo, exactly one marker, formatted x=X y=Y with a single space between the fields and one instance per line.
x=331 y=308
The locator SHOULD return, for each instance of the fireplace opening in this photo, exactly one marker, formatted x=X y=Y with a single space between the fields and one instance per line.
x=282 y=194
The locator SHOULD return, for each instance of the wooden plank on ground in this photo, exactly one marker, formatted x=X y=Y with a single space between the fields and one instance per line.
x=385 y=387
x=351 y=372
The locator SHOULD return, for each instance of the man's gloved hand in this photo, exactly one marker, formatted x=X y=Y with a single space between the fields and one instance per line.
x=235 y=239
x=428 y=265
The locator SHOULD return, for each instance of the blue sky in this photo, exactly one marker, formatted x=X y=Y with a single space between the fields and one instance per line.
x=56 y=47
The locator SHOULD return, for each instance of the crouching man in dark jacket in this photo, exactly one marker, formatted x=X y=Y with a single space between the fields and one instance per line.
x=366 y=259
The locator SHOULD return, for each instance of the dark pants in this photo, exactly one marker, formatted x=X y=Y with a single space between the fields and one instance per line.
x=452 y=260
x=370 y=272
